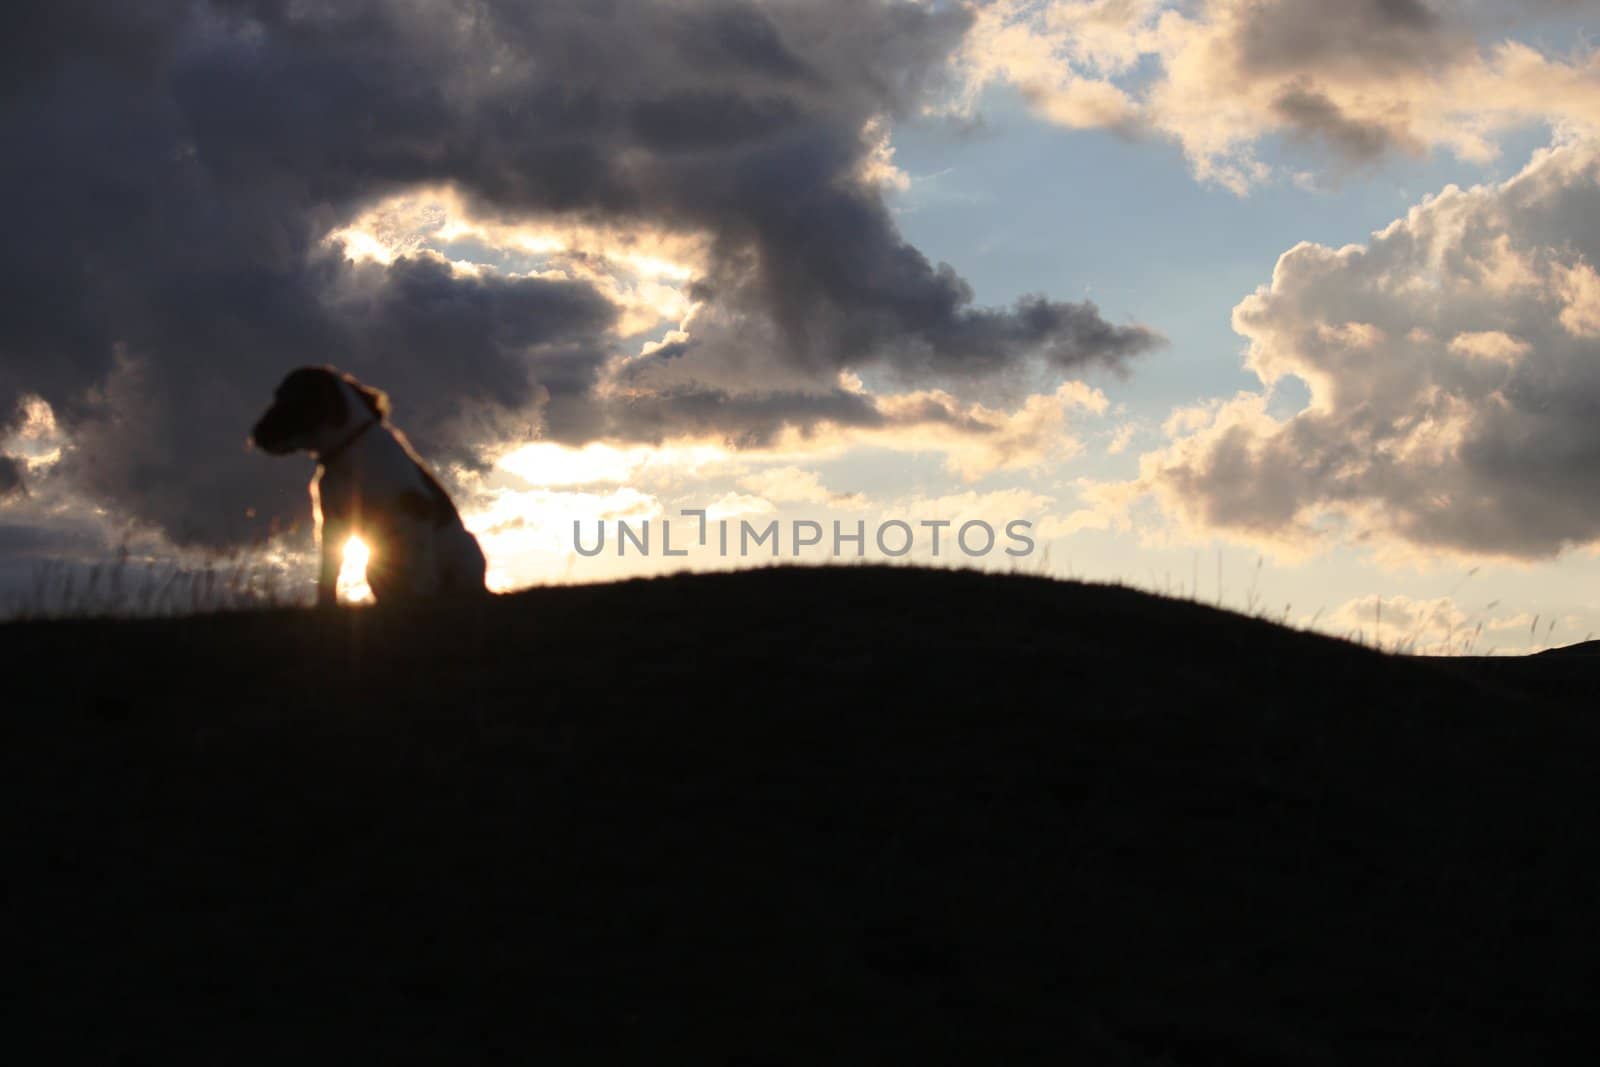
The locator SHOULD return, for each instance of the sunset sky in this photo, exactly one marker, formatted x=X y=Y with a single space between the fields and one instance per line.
x=1297 y=293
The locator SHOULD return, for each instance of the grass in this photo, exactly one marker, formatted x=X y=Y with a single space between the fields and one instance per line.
x=124 y=587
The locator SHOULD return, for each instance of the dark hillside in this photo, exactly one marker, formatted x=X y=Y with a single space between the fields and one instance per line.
x=791 y=816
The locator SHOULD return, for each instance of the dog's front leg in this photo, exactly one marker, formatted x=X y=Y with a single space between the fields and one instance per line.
x=331 y=536
x=330 y=552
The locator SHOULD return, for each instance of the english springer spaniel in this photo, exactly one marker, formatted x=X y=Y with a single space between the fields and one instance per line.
x=370 y=482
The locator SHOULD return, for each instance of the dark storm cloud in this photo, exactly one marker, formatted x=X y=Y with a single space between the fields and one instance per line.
x=26 y=541
x=753 y=420
x=1376 y=36
x=42 y=36
x=404 y=320
x=173 y=168
x=11 y=483
x=1311 y=44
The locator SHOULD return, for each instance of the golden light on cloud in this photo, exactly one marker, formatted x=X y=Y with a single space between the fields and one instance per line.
x=642 y=270
x=974 y=439
x=527 y=534
x=353 y=588
x=37 y=440
x=553 y=465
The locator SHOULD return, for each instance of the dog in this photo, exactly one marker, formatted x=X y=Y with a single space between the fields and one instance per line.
x=371 y=483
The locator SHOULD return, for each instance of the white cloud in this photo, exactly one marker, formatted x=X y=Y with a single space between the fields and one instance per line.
x=791 y=485
x=1494 y=345
x=1414 y=625
x=878 y=166
x=1358 y=78
x=1121 y=438
x=1579 y=287
x=1454 y=400
x=552 y=465
x=735 y=505
x=1443 y=626
x=528 y=535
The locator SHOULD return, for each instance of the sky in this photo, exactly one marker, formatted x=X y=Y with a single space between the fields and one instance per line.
x=1286 y=305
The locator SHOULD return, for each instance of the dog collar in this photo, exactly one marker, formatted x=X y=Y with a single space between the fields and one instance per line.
x=325 y=458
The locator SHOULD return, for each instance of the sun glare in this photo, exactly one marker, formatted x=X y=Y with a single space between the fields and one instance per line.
x=353 y=587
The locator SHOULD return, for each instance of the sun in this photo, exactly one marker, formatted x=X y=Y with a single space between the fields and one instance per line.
x=353 y=588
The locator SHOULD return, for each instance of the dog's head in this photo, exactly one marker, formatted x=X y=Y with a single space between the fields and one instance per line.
x=311 y=407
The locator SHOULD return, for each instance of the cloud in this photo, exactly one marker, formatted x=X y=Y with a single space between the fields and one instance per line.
x=974 y=439
x=1442 y=626
x=1454 y=384
x=1421 y=625
x=1311 y=115
x=527 y=534
x=1489 y=344
x=1579 y=287
x=996 y=507
x=11 y=483
x=177 y=170
x=735 y=505
x=1357 y=79
x=1121 y=437
x=791 y=485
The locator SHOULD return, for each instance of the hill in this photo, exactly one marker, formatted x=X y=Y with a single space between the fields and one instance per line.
x=791 y=816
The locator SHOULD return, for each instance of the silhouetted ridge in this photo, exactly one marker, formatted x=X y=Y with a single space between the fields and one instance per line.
x=852 y=814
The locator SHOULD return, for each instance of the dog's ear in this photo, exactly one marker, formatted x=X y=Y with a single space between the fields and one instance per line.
x=377 y=400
